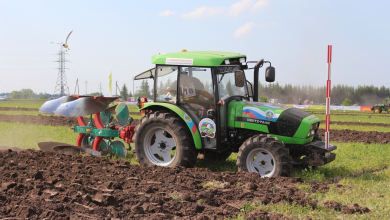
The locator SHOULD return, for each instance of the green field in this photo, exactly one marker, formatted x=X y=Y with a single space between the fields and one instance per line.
x=362 y=169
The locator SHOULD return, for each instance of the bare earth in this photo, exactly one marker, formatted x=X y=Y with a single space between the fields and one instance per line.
x=43 y=184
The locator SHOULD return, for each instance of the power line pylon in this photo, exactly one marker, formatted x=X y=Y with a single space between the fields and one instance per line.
x=61 y=85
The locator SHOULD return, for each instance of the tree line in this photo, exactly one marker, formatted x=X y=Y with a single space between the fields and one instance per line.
x=290 y=94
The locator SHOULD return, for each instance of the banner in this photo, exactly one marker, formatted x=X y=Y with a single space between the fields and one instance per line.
x=351 y=108
x=365 y=108
x=336 y=107
x=301 y=106
x=110 y=84
x=317 y=106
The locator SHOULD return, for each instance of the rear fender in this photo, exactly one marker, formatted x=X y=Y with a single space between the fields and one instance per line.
x=182 y=114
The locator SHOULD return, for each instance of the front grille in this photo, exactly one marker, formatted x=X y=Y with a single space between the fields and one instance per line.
x=289 y=121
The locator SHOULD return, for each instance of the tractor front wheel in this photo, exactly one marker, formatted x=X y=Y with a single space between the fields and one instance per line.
x=163 y=139
x=264 y=155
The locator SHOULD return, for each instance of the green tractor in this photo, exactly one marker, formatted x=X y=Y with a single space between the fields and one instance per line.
x=385 y=106
x=203 y=103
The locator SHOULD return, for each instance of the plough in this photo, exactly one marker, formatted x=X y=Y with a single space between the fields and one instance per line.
x=100 y=129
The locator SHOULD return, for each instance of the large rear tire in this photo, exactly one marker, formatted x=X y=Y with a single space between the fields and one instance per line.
x=163 y=139
x=264 y=155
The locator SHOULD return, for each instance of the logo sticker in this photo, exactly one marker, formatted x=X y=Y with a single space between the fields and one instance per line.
x=187 y=118
x=190 y=123
x=269 y=114
x=179 y=61
x=207 y=128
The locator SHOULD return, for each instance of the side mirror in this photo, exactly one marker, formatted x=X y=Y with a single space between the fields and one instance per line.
x=239 y=78
x=270 y=74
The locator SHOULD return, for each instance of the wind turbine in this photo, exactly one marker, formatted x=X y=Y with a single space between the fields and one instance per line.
x=64 y=45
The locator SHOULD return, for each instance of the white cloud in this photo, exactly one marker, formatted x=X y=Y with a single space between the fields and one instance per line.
x=166 y=13
x=267 y=25
x=261 y=4
x=204 y=12
x=239 y=7
x=244 y=29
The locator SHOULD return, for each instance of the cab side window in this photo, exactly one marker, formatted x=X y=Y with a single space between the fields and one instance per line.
x=166 y=84
x=196 y=89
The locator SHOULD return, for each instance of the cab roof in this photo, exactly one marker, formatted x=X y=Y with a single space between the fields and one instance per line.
x=195 y=58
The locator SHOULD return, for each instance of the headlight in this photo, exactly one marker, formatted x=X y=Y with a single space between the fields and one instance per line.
x=313 y=129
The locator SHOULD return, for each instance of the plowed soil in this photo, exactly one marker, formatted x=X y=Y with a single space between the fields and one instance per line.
x=39 y=120
x=45 y=120
x=357 y=136
x=357 y=123
x=43 y=184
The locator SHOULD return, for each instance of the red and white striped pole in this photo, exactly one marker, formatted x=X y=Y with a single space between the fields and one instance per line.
x=328 y=88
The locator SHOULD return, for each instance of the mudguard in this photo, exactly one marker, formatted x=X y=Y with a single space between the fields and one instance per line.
x=186 y=118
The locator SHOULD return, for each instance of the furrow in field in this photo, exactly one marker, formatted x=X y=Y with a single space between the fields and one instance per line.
x=357 y=136
x=17 y=109
x=44 y=120
x=357 y=123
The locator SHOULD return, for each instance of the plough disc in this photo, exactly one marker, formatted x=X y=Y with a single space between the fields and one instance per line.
x=83 y=106
x=118 y=147
x=49 y=107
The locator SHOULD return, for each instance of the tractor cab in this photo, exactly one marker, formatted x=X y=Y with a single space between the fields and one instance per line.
x=203 y=84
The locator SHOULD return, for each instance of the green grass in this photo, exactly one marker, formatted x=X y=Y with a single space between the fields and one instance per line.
x=23 y=103
x=351 y=159
x=28 y=136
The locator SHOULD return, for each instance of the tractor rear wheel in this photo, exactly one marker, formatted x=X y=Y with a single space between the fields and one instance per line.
x=388 y=109
x=264 y=155
x=163 y=139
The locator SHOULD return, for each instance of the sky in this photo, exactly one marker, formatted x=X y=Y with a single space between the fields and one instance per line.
x=121 y=36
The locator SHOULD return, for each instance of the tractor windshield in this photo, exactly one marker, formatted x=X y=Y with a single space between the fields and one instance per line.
x=226 y=82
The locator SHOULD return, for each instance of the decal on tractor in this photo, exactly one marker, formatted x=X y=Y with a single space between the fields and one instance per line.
x=269 y=114
x=254 y=112
x=207 y=128
x=268 y=105
x=190 y=123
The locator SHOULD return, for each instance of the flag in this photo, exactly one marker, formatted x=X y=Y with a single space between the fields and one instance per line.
x=110 y=85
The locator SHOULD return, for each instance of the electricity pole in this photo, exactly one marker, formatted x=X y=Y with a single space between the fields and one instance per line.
x=61 y=87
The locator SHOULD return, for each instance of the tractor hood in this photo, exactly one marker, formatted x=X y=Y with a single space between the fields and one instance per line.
x=275 y=119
